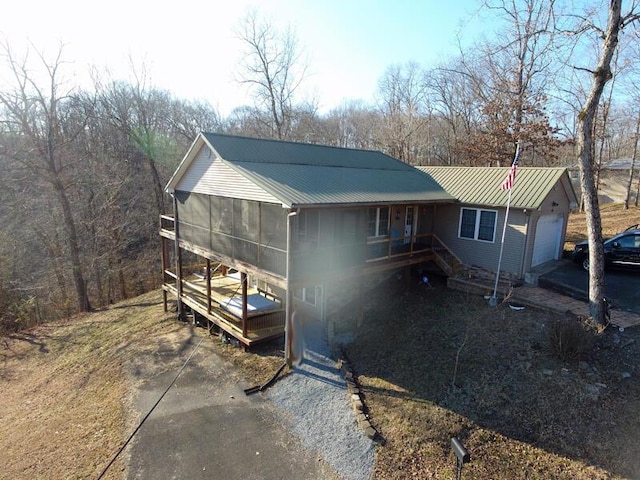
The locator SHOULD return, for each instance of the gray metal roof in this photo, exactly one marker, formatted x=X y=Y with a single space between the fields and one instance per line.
x=297 y=185
x=299 y=174
x=258 y=150
x=481 y=185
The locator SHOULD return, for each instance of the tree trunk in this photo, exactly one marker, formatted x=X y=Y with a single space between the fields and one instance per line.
x=74 y=249
x=601 y=76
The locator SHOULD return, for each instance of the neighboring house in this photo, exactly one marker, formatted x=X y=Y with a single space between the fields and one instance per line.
x=257 y=222
x=541 y=200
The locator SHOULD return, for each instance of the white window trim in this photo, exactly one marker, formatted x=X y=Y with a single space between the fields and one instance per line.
x=304 y=295
x=477 y=226
x=377 y=232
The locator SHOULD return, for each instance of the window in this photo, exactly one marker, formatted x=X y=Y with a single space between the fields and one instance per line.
x=478 y=224
x=306 y=294
x=308 y=221
x=378 y=222
x=629 y=241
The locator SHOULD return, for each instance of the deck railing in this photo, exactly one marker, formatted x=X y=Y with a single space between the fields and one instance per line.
x=386 y=248
x=167 y=223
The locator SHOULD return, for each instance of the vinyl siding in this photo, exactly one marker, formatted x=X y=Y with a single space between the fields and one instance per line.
x=485 y=254
x=211 y=176
x=561 y=195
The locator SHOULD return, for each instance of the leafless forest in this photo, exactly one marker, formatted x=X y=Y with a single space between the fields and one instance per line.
x=83 y=169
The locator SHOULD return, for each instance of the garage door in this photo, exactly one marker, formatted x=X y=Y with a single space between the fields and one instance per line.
x=546 y=246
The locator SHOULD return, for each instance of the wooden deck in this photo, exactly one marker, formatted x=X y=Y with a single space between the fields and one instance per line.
x=223 y=308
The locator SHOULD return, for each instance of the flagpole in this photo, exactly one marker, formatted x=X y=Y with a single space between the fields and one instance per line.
x=493 y=300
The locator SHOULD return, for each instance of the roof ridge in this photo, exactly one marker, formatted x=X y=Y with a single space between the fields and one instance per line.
x=275 y=140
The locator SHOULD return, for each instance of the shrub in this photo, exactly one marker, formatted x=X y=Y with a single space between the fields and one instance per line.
x=570 y=338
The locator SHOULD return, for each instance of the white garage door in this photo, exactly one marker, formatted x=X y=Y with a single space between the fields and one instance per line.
x=546 y=246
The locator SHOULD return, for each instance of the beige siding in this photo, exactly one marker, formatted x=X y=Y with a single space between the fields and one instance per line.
x=562 y=198
x=485 y=254
x=209 y=175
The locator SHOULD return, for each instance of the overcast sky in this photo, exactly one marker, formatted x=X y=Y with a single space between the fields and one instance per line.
x=189 y=47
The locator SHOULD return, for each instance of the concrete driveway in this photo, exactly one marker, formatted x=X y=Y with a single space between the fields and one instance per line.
x=621 y=288
x=206 y=427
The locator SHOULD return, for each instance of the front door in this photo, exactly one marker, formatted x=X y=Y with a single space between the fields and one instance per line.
x=408 y=225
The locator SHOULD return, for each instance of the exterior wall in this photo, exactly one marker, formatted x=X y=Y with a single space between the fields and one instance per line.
x=556 y=202
x=211 y=176
x=480 y=253
x=341 y=244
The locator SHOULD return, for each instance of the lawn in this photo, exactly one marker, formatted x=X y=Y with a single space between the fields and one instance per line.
x=521 y=411
x=436 y=363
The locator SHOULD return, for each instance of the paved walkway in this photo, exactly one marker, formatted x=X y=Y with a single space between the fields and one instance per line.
x=549 y=300
x=207 y=428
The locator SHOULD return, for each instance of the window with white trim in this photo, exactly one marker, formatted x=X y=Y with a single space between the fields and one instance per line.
x=378 y=222
x=478 y=224
x=306 y=294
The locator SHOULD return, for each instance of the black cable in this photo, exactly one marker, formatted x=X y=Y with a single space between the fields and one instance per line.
x=150 y=411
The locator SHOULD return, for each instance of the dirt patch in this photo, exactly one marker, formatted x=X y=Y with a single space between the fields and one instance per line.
x=435 y=363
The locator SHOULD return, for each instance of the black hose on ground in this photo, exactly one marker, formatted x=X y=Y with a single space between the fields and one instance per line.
x=262 y=388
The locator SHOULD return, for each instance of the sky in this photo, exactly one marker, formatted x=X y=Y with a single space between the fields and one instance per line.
x=191 y=49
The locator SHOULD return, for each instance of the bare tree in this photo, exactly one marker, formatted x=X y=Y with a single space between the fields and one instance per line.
x=188 y=119
x=452 y=95
x=144 y=114
x=601 y=75
x=39 y=118
x=272 y=68
x=403 y=106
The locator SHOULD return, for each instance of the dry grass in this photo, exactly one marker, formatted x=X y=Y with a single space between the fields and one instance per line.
x=615 y=219
x=67 y=386
x=65 y=393
x=520 y=411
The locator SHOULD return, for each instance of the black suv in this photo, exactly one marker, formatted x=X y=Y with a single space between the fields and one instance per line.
x=620 y=251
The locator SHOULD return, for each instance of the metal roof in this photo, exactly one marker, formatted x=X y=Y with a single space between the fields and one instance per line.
x=296 y=185
x=481 y=185
x=258 y=150
x=301 y=174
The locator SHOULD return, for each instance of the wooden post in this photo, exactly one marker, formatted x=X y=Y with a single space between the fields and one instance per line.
x=176 y=230
x=163 y=252
x=208 y=286
x=243 y=279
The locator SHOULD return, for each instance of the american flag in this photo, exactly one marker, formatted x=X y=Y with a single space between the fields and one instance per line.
x=511 y=176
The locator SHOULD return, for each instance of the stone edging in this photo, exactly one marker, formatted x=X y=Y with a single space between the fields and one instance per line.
x=357 y=400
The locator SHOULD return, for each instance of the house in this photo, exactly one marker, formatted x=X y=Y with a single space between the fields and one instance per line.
x=541 y=200
x=263 y=228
